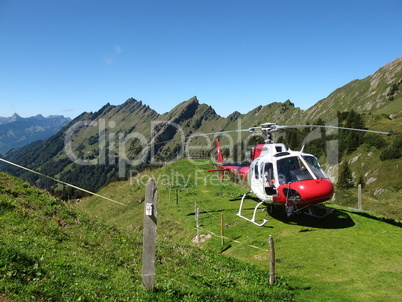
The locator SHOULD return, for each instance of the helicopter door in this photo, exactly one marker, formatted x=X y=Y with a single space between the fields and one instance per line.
x=256 y=180
x=269 y=179
x=261 y=179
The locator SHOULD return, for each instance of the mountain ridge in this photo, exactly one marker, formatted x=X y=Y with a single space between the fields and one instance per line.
x=377 y=93
x=107 y=144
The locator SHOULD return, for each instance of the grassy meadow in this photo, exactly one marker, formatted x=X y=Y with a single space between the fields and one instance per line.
x=348 y=256
x=91 y=250
x=53 y=252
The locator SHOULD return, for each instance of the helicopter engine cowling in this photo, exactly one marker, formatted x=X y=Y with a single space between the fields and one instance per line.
x=305 y=192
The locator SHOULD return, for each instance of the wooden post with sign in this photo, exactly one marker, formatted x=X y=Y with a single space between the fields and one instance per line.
x=149 y=240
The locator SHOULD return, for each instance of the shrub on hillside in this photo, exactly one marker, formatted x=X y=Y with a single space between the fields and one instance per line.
x=394 y=151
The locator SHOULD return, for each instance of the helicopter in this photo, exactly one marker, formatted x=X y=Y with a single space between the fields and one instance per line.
x=280 y=176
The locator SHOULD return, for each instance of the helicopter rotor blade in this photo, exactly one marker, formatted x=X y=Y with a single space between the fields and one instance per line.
x=272 y=128
x=220 y=132
x=333 y=127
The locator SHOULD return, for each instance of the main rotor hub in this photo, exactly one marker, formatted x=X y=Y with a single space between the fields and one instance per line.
x=266 y=129
x=269 y=126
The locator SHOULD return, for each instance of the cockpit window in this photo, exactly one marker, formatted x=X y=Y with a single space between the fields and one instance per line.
x=291 y=169
x=314 y=166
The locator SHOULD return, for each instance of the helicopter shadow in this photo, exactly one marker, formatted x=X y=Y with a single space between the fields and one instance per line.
x=389 y=221
x=248 y=197
x=338 y=219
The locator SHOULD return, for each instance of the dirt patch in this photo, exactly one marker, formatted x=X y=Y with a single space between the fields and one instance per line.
x=201 y=239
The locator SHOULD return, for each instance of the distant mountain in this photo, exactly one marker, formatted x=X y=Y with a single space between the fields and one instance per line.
x=99 y=147
x=13 y=118
x=16 y=131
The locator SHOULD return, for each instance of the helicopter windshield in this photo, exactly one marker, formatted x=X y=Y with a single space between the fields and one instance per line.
x=314 y=166
x=291 y=169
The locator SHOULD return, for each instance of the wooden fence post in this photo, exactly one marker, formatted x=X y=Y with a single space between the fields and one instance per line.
x=359 y=197
x=197 y=222
x=222 y=231
x=149 y=240
x=272 y=262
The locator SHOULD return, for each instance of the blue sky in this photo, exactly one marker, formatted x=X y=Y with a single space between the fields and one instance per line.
x=70 y=56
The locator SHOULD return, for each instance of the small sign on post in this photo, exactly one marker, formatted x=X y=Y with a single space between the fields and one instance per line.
x=149 y=240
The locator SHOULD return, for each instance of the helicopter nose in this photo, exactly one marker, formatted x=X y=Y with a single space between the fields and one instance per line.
x=307 y=191
x=315 y=191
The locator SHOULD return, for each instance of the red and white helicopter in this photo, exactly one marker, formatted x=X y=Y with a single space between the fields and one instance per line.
x=278 y=175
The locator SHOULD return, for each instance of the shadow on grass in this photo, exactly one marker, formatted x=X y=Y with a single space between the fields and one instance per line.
x=256 y=199
x=378 y=218
x=338 y=219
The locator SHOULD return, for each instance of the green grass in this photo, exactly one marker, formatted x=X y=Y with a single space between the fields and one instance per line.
x=348 y=256
x=52 y=252
x=92 y=250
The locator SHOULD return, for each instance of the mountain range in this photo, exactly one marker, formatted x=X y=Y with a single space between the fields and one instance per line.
x=17 y=131
x=107 y=145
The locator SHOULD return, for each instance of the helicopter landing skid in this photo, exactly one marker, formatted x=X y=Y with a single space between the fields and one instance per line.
x=310 y=211
x=252 y=220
